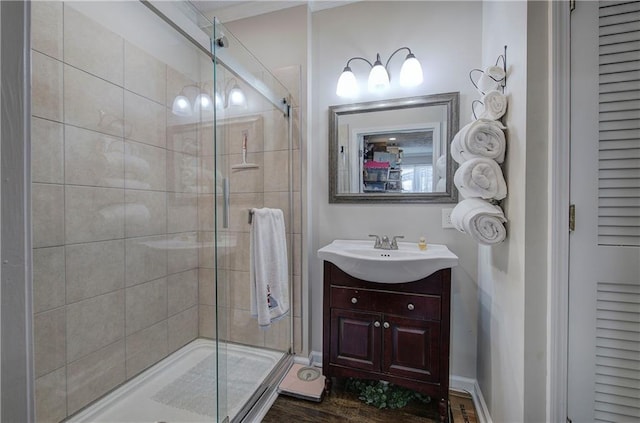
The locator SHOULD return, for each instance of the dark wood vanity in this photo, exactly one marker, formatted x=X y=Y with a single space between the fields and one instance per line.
x=393 y=332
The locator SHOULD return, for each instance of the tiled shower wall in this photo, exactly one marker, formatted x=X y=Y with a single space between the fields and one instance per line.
x=114 y=204
x=123 y=212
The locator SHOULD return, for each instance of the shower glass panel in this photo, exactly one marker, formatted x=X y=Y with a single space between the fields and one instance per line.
x=140 y=299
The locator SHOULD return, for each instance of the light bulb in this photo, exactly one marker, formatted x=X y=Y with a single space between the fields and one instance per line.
x=378 y=77
x=347 y=84
x=411 y=72
x=219 y=102
x=203 y=103
x=236 y=97
x=181 y=106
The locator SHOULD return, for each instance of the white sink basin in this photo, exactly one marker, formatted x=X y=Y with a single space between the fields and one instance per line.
x=406 y=264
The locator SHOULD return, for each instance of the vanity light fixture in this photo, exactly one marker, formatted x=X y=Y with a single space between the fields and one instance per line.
x=410 y=75
x=235 y=95
x=182 y=105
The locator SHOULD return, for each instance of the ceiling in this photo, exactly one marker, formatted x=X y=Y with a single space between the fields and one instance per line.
x=231 y=10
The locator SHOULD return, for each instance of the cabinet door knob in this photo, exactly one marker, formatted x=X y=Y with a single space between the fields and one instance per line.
x=354 y=300
x=410 y=306
x=376 y=324
x=386 y=325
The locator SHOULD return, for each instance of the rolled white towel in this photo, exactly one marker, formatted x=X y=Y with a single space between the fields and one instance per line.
x=441 y=166
x=481 y=138
x=481 y=220
x=495 y=105
x=480 y=177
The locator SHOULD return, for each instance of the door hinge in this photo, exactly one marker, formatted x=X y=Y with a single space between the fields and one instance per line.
x=572 y=217
x=572 y=5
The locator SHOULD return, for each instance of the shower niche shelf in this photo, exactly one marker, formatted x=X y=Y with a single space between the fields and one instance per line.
x=392 y=332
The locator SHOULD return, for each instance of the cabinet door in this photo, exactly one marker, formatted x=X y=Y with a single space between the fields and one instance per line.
x=411 y=348
x=355 y=339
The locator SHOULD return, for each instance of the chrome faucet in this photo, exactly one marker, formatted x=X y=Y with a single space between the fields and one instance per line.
x=383 y=243
x=394 y=242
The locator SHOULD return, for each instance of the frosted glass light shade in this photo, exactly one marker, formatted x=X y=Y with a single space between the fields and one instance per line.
x=219 y=102
x=237 y=97
x=203 y=103
x=378 y=77
x=347 y=84
x=411 y=72
x=181 y=106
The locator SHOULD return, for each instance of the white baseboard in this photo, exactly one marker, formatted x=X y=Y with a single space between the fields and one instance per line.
x=471 y=386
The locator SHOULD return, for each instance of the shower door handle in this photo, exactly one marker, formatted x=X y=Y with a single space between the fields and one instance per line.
x=225 y=206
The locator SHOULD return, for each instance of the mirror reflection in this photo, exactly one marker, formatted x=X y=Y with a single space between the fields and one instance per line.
x=394 y=150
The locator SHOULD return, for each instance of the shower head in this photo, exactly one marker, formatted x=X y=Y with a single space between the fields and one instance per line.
x=222 y=41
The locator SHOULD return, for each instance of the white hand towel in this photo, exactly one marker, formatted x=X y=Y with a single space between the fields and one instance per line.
x=480 y=178
x=269 y=269
x=481 y=138
x=481 y=220
x=495 y=105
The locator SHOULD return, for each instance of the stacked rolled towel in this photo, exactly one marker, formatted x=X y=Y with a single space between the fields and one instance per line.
x=441 y=174
x=481 y=138
x=481 y=220
x=482 y=178
x=495 y=105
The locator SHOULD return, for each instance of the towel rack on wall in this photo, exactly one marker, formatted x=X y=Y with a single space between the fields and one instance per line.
x=250 y=216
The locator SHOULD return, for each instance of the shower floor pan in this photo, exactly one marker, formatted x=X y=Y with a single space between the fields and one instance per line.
x=182 y=387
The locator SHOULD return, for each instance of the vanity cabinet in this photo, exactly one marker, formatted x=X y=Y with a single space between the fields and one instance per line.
x=393 y=332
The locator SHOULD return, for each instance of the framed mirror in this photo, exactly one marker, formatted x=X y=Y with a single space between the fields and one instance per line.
x=393 y=151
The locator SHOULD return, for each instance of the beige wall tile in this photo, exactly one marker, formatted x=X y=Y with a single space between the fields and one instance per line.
x=92 y=103
x=47 y=151
x=183 y=328
x=145 y=259
x=206 y=215
x=49 y=341
x=297 y=254
x=144 y=74
x=207 y=286
x=182 y=172
x=94 y=269
x=207 y=253
x=92 y=47
x=297 y=171
x=276 y=171
x=94 y=375
x=46 y=27
x=46 y=87
x=239 y=290
x=181 y=138
x=278 y=335
x=276 y=131
x=180 y=257
x=94 y=323
x=207 y=322
x=244 y=329
x=145 y=120
x=239 y=255
x=297 y=212
x=182 y=291
x=297 y=335
x=206 y=141
x=145 y=213
x=51 y=396
x=297 y=296
x=182 y=212
x=47 y=215
x=145 y=166
x=48 y=278
x=206 y=176
x=146 y=305
x=93 y=158
x=145 y=348
x=93 y=214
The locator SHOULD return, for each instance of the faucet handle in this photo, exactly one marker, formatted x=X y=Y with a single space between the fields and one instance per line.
x=394 y=243
x=378 y=243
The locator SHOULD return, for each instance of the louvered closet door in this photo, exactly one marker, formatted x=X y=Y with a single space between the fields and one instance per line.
x=604 y=286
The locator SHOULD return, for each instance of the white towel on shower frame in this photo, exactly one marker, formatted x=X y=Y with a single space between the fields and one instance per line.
x=268 y=268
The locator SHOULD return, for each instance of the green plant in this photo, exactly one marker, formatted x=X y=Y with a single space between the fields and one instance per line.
x=382 y=394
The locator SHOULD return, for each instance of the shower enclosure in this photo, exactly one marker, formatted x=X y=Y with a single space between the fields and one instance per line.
x=154 y=132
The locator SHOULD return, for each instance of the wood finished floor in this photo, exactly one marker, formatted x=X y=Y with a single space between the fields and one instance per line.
x=344 y=407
